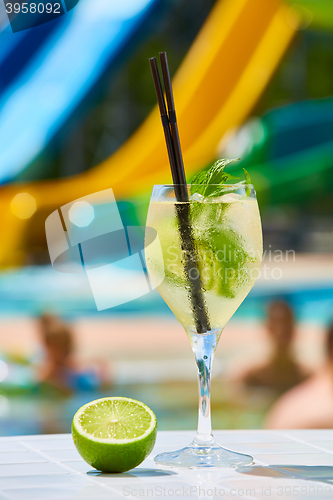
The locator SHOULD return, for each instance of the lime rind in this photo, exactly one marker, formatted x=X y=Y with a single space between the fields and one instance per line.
x=81 y=430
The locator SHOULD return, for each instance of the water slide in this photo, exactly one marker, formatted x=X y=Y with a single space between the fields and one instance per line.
x=47 y=72
x=17 y=50
x=288 y=153
x=217 y=85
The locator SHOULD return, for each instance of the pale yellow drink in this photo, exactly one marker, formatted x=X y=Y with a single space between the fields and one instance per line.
x=228 y=245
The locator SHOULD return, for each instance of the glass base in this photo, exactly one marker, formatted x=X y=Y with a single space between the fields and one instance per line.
x=201 y=455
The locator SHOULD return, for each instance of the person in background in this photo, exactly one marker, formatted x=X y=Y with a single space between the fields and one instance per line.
x=280 y=372
x=58 y=368
x=47 y=321
x=310 y=404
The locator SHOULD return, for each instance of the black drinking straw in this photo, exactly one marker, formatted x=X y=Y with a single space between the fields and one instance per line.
x=170 y=127
x=173 y=121
x=165 y=123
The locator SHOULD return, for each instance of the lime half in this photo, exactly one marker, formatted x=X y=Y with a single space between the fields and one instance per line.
x=114 y=434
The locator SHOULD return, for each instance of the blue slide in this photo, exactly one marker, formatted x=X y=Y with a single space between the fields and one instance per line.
x=17 y=50
x=47 y=71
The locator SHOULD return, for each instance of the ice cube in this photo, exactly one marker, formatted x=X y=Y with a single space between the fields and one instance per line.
x=197 y=197
x=228 y=198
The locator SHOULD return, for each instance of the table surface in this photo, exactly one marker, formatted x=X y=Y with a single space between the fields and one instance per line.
x=288 y=464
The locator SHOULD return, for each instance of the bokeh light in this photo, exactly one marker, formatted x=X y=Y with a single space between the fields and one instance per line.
x=23 y=205
x=81 y=213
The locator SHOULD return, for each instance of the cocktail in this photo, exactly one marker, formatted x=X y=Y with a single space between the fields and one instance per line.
x=211 y=254
x=211 y=241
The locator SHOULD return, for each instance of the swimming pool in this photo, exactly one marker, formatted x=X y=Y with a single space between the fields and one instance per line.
x=174 y=403
x=31 y=290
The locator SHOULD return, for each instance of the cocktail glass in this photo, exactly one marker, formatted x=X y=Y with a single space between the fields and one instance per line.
x=224 y=257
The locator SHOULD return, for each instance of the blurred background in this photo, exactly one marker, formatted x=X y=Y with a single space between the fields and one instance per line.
x=253 y=80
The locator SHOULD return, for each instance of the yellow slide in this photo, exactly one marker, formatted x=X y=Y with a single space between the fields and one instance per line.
x=217 y=85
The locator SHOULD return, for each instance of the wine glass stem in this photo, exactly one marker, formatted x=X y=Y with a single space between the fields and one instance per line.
x=204 y=347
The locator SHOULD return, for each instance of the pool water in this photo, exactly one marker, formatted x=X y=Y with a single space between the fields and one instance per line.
x=175 y=405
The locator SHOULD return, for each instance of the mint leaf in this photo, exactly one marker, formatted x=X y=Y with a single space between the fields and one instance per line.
x=222 y=256
x=204 y=182
x=248 y=181
x=247 y=177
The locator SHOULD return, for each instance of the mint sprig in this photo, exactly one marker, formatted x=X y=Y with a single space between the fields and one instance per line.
x=221 y=252
x=210 y=182
x=205 y=182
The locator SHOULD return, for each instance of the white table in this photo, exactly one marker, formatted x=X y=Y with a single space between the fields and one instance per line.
x=288 y=464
